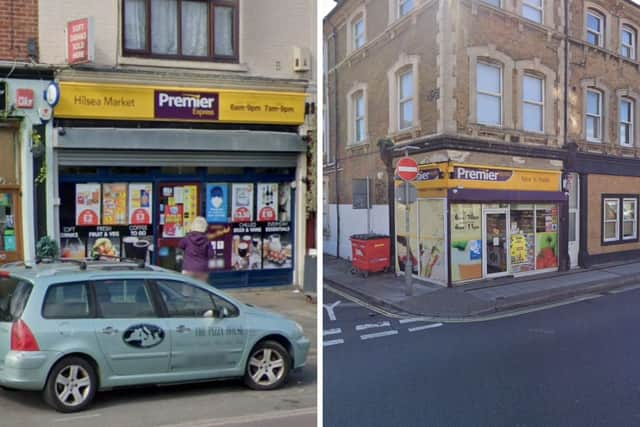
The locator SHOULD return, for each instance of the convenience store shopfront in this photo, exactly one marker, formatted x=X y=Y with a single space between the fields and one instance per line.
x=501 y=221
x=136 y=164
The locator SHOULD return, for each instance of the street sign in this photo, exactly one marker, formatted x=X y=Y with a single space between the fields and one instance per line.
x=403 y=193
x=407 y=169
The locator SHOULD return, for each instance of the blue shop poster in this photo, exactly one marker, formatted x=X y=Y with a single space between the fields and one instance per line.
x=217 y=203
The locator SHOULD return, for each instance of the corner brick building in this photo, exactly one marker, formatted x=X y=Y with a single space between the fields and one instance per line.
x=521 y=114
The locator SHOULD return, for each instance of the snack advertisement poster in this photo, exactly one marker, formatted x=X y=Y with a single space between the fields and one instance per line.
x=242 y=202
x=140 y=202
x=114 y=204
x=277 y=248
x=88 y=197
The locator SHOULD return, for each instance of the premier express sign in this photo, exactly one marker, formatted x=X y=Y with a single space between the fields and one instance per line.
x=133 y=102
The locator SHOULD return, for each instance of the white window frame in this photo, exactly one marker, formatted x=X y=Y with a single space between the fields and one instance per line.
x=359 y=96
x=635 y=218
x=494 y=5
x=401 y=3
x=632 y=47
x=359 y=39
x=598 y=116
x=600 y=35
x=532 y=102
x=605 y=221
x=527 y=4
x=493 y=94
x=629 y=124
x=402 y=101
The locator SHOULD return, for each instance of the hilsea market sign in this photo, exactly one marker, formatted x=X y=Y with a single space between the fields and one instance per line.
x=137 y=102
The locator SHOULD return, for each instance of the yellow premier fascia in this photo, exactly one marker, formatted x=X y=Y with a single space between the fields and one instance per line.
x=136 y=102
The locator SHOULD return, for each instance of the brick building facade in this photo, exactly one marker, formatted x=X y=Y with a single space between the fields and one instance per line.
x=494 y=100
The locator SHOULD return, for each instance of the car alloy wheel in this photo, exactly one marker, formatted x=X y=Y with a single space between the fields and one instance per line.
x=268 y=366
x=71 y=385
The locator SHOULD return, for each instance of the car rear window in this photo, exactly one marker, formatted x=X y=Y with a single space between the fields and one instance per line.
x=67 y=301
x=14 y=294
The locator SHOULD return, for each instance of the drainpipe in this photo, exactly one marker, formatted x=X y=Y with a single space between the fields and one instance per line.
x=385 y=146
x=563 y=243
x=336 y=136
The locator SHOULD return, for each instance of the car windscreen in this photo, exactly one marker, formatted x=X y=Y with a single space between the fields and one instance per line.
x=14 y=294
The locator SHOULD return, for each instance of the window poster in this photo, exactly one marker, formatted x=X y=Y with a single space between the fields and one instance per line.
x=114 y=204
x=140 y=203
x=137 y=243
x=220 y=237
x=284 y=202
x=406 y=246
x=242 y=202
x=188 y=197
x=267 y=202
x=88 y=204
x=246 y=249
x=72 y=244
x=276 y=245
x=546 y=250
x=466 y=241
x=217 y=203
x=431 y=240
x=104 y=242
x=173 y=220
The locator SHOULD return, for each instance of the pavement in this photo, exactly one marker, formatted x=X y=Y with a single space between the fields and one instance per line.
x=480 y=300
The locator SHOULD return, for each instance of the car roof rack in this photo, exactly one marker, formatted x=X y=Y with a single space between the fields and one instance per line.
x=46 y=260
x=140 y=263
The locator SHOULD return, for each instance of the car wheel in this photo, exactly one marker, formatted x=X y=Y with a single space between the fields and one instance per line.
x=268 y=366
x=71 y=385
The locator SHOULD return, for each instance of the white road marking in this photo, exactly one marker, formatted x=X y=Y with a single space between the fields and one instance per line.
x=421 y=328
x=372 y=325
x=360 y=302
x=332 y=332
x=378 y=335
x=333 y=342
x=413 y=320
x=330 y=308
x=78 y=417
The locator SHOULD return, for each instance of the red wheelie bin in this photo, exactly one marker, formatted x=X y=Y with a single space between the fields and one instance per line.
x=370 y=253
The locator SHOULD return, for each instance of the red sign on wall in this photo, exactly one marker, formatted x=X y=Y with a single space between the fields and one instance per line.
x=24 y=98
x=79 y=41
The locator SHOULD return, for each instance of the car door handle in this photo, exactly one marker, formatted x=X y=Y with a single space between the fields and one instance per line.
x=182 y=329
x=109 y=330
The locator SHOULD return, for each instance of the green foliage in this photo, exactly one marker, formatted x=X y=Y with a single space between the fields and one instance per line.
x=47 y=248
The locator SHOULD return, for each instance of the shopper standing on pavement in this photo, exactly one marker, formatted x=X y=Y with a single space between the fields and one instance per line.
x=197 y=251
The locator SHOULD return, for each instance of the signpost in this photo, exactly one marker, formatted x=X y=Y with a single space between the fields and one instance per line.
x=407 y=169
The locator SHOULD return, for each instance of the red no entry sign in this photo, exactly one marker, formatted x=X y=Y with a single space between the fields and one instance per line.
x=407 y=169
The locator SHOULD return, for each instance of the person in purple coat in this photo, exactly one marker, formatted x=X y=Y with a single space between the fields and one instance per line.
x=197 y=251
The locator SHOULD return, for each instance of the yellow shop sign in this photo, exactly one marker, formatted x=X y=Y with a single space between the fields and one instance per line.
x=460 y=175
x=134 y=102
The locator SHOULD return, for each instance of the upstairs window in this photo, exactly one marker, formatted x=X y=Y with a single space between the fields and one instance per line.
x=489 y=96
x=358 y=33
x=626 y=122
x=532 y=10
x=628 y=42
x=359 y=128
x=533 y=103
x=595 y=28
x=404 y=7
x=182 y=29
x=405 y=99
x=495 y=3
x=594 y=116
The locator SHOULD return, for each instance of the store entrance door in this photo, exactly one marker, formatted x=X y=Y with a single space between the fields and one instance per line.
x=495 y=260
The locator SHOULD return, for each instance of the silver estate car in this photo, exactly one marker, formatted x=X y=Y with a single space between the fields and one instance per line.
x=69 y=329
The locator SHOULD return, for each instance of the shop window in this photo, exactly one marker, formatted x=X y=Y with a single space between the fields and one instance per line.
x=489 y=96
x=594 y=115
x=130 y=170
x=466 y=242
x=546 y=236
x=405 y=99
x=532 y=10
x=611 y=226
x=9 y=171
x=182 y=29
x=273 y=171
x=225 y=171
x=178 y=170
x=533 y=103
x=626 y=122
x=78 y=170
x=628 y=38
x=522 y=238
x=595 y=28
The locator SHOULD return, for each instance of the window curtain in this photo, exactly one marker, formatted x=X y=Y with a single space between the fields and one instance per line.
x=223 y=25
x=135 y=26
x=164 y=26
x=195 y=35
